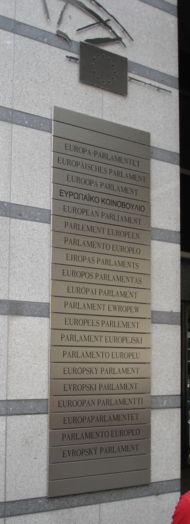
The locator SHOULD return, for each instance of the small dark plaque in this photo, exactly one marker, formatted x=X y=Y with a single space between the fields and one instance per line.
x=103 y=69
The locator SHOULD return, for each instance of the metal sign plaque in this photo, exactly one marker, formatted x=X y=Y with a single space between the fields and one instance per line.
x=103 y=69
x=99 y=408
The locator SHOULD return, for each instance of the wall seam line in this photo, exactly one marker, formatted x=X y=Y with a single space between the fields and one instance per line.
x=43 y=504
x=43 y=216
x=41 y=123
x=42 y=309
x=45 y=37
x=24 y=407
x=162 y=5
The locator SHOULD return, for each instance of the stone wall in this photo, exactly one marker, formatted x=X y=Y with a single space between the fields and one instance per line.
x=34 y=76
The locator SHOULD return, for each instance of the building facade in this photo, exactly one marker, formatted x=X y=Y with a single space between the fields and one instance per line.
x=35 y=76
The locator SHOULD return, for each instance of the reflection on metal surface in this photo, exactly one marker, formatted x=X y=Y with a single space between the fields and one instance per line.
x=100 y=307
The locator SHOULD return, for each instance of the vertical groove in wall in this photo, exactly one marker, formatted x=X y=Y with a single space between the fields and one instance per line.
x=9 y=261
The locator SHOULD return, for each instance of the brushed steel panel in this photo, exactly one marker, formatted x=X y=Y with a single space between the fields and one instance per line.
x=98 y=483
x=93 y=260
x=130 y=175
x=98 y=245
x=100 y=184
x=129 y=159
x=110 y=148
x=116 y=150
x=75 y=469
x=90 y=371
x=100 y=292
x=100 y=386
x=100 y=276
x=95 y=229
x=116 y=309
x=135 y=169
x=106 y=159
x=100 y=214
x=83 y=196
x=99 y=323
x=99 y=402
x=100 y=311
x=81 y=419
x=103 y=126
x=105 y=434
x=67 y=354
x=96 y=451
x=97 y=339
